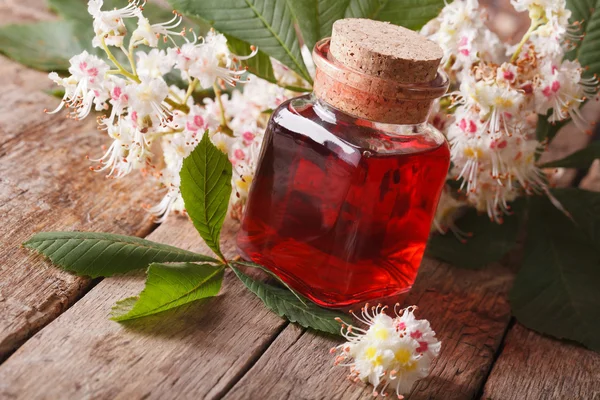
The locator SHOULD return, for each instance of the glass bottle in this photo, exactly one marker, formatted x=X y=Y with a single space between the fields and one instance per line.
x=349 y=176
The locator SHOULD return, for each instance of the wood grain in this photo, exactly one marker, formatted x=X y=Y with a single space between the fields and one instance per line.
x=45 y=184
x=533 y=366
x=196 y=351
x=468 y=309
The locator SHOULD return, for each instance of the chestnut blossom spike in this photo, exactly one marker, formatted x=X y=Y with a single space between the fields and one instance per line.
x=393 y=352
x=498 y=98
x=145 y=113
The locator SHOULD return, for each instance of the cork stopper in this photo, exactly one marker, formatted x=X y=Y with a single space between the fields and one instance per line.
x=385 y=50
x=379 y=71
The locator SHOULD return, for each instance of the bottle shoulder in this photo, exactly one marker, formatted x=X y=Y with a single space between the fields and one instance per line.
x=307 y=116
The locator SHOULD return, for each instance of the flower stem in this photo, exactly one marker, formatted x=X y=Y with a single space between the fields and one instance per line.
x=534 y=25
x=191 y=88
x=177 y=106
x=175 y=96
x=224 y=127
x=130 y=58
x=112 y=58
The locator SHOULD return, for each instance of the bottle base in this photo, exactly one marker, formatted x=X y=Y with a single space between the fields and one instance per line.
x=324 y=299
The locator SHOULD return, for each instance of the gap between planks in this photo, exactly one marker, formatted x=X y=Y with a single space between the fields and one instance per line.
x=195 y=351
x=233 y=347
x=470 y=322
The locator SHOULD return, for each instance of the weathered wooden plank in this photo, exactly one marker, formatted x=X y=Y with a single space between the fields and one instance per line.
x=195 y=352
x=468 y=310
x=533 y=366
x=45 y=184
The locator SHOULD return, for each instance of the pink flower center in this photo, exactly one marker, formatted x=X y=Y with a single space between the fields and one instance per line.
x=423 y=346
x=467 y=126
x=416 y=334
x=117 y=93
x=248 y=136
x=498 y=145
x=198 y=121
x=527 y=88
x=547 y=91
x=508 y=75
x=239 y=154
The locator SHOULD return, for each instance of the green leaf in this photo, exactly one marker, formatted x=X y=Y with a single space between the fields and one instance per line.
x=580 y=159
x=412 y=14
x=556 y=292
x=75 y=9
x=489 y=242
x=546 y=130
x=260 y=65
x=316 y=17
x=285 y=304
x=267 y=24
x=587 y=51
x=206 y=188
x=103 y=254
x=584 y=209
x=46 y=46
x=273 y=275
x=169 y=286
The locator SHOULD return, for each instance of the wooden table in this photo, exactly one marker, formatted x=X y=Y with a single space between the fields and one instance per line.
x=56 y=341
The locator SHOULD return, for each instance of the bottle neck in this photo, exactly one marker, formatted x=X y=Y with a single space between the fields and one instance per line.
x=333 y=115
x=370 y=97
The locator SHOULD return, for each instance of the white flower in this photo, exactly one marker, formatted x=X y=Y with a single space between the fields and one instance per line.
x=391 y=352
x=146 y=99
x=218 y=42
x=149 y=35
x=153 y=64
x=548 y=9
x=129 y=150
x=207 y=67
x=562 y=89
x=496 y=105
x=461 y=33
x=84 y=87
x=108 y=25
x=506 y=74
x=208 y=60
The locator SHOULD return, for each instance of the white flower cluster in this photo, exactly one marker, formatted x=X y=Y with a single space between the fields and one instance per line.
x=154 y=125
x=499 y=91
x=391 y=352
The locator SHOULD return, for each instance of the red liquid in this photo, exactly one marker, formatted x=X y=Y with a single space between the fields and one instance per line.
x=338 y=221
